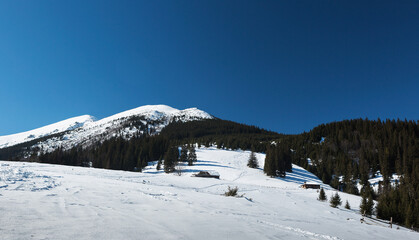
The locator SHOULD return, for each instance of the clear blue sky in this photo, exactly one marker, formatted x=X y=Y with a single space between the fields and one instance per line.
x=286 y=66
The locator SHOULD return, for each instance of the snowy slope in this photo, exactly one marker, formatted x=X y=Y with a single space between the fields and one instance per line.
x=41 y=201
x=85 y=131
x=69 y=124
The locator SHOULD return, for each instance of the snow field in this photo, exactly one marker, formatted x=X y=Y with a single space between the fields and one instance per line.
x=41 y=201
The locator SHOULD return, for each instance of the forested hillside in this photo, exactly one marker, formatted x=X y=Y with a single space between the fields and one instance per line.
x=349 y=152
x=226 y=134
x=115 y=153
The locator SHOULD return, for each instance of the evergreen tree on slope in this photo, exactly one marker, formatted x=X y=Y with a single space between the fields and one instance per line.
x=170 y=159
x=252 y=162
x=191 y=156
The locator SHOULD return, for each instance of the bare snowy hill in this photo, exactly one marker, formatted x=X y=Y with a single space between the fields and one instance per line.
x=41 y=201
x=84 y=130
x=59 y=127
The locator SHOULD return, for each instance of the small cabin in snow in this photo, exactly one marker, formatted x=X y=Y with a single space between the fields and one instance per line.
x=311 y=185
x=208 y=174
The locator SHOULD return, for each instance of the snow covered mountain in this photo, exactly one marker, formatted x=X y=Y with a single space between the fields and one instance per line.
x=85 y=130
x=59 y=127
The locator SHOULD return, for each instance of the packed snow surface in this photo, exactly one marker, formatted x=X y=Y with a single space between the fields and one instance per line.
x=41 y=201
x=84 y=130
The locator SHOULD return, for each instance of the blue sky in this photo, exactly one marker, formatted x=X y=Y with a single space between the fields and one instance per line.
x=286 y=66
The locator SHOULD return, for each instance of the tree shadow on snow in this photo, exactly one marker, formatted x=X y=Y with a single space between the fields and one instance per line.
x=207 y=161
x=211 y=165
x=300 y=176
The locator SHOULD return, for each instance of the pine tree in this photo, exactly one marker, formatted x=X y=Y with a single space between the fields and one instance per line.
x=322 y=195
x=170 y=159
x=191 y=156
x=370 y=206
x=140 y=163
x=252 y=162
x=363 y=205
x=183 y=154
x=367 y=205
x=270 y=163
x=347 y=206
x=335 y=200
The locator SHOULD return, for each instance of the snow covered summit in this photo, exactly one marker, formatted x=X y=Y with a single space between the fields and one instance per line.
x=65 y=125
x=85 y=130
x=156 y=112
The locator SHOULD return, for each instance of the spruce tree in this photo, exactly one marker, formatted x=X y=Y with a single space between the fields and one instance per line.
x=191 y=156
x=252 y=162
x=270 y=164
x=370 y=206
x=322 y=195
x=367 y=205
x=363 y=205
x=158 y=167
x=183 y=154
x=335 y=200
x=347 y=206
x=170 y=159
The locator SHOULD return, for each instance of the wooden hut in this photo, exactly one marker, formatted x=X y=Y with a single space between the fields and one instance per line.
x=207 y=174
x=311 y=185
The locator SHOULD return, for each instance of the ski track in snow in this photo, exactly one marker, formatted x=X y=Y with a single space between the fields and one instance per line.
x=42 y=201
x=300 y=232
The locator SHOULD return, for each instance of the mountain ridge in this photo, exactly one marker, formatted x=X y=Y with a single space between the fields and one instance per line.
x=61 y=126
x=86 y=129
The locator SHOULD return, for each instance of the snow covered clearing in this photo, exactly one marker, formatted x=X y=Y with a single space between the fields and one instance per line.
x=41 y=201
x=375 y=181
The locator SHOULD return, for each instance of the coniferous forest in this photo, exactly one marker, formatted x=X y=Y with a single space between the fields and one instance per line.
x=343 y=154
x=357 y=150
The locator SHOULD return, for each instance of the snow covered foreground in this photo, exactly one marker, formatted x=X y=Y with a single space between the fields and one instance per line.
x=41 y=201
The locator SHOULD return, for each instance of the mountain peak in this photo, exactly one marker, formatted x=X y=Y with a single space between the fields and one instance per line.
x=86 y=129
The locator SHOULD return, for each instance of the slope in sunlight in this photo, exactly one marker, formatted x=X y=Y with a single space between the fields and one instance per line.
x=41 y=201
